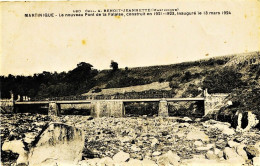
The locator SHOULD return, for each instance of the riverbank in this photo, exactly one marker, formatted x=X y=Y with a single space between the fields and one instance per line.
x=142 y=139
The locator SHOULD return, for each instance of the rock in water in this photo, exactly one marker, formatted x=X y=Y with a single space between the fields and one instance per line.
x=58 y=144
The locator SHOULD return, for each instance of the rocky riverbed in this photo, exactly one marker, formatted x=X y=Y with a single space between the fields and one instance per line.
x=140 y=140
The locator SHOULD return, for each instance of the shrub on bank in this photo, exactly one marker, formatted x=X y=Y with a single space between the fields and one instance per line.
x=223 y=81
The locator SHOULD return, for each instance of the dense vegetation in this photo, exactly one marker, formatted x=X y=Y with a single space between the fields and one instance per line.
x=247 y=96
x=48 y=84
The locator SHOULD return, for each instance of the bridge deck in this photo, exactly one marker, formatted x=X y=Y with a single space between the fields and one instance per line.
x=123 y=100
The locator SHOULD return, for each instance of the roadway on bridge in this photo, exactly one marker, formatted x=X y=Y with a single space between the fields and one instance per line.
x=123 y=100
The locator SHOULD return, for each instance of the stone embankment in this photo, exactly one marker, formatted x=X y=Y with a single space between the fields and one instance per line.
x=126 y=141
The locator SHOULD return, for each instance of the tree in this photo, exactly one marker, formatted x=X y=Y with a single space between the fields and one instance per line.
x=84 y=66
x=114 y=65
x=80 y=74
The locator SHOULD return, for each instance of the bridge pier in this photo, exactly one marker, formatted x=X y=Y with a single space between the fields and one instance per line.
x=54 y=109
x=163 y=108
x=110 y=108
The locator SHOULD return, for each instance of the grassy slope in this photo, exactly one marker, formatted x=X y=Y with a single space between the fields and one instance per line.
x=182 y=77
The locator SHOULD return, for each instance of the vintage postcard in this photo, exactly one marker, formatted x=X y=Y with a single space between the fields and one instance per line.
x=141 y=82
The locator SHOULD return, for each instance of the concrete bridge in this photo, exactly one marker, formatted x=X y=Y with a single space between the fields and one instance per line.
x=114 y=107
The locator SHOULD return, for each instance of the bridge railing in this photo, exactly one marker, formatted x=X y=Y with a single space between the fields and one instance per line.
x=128 y=95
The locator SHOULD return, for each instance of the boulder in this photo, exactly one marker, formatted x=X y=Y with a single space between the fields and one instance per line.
x=197 y=135
x=211 y=155
x=228 y=131
x=184 y=125
x=154 y=142
x=135 y=148
x=156 y=153
x=252 y=120
x=57 y=144
x=16 y=146
x=232 y=157
x=221 y=144
x=165 y=133
x=134 y=162
x=256 y=161
x=187 y=119
x=125 y=139
x=198 y=143
x=232 y=144
x=208 y=147
x=252 y=151
x=225 y=128
x=220 y=154
x=147 y=162
x=229 y=153
x=106 y=161
x=240 y=151
x=199 y=160
x=168 y=158
x=217 y=152
x=89 y=162
x=180 y=134
x=121 y=157
x=29 y=137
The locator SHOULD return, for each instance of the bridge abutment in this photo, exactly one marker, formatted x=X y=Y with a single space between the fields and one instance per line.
x=54 y=109
x=213 y=102
x=163 y=108
x=7 y=105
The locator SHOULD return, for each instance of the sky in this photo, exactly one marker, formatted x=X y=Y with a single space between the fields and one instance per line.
x=34 y=45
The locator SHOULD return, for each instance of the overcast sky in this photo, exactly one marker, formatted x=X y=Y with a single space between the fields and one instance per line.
x=33 y=45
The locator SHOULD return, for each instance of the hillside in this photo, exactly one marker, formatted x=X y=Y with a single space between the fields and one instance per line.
x=219 y=75
x=234 y=74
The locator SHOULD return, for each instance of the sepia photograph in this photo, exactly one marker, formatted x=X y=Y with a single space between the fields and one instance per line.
x=130 y=83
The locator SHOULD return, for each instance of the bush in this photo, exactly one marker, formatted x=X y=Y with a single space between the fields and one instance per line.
x=161 y=80
x=96 y=90
x=223 y=81
x=192 y=91
x=174 y=85
x=187 y=76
